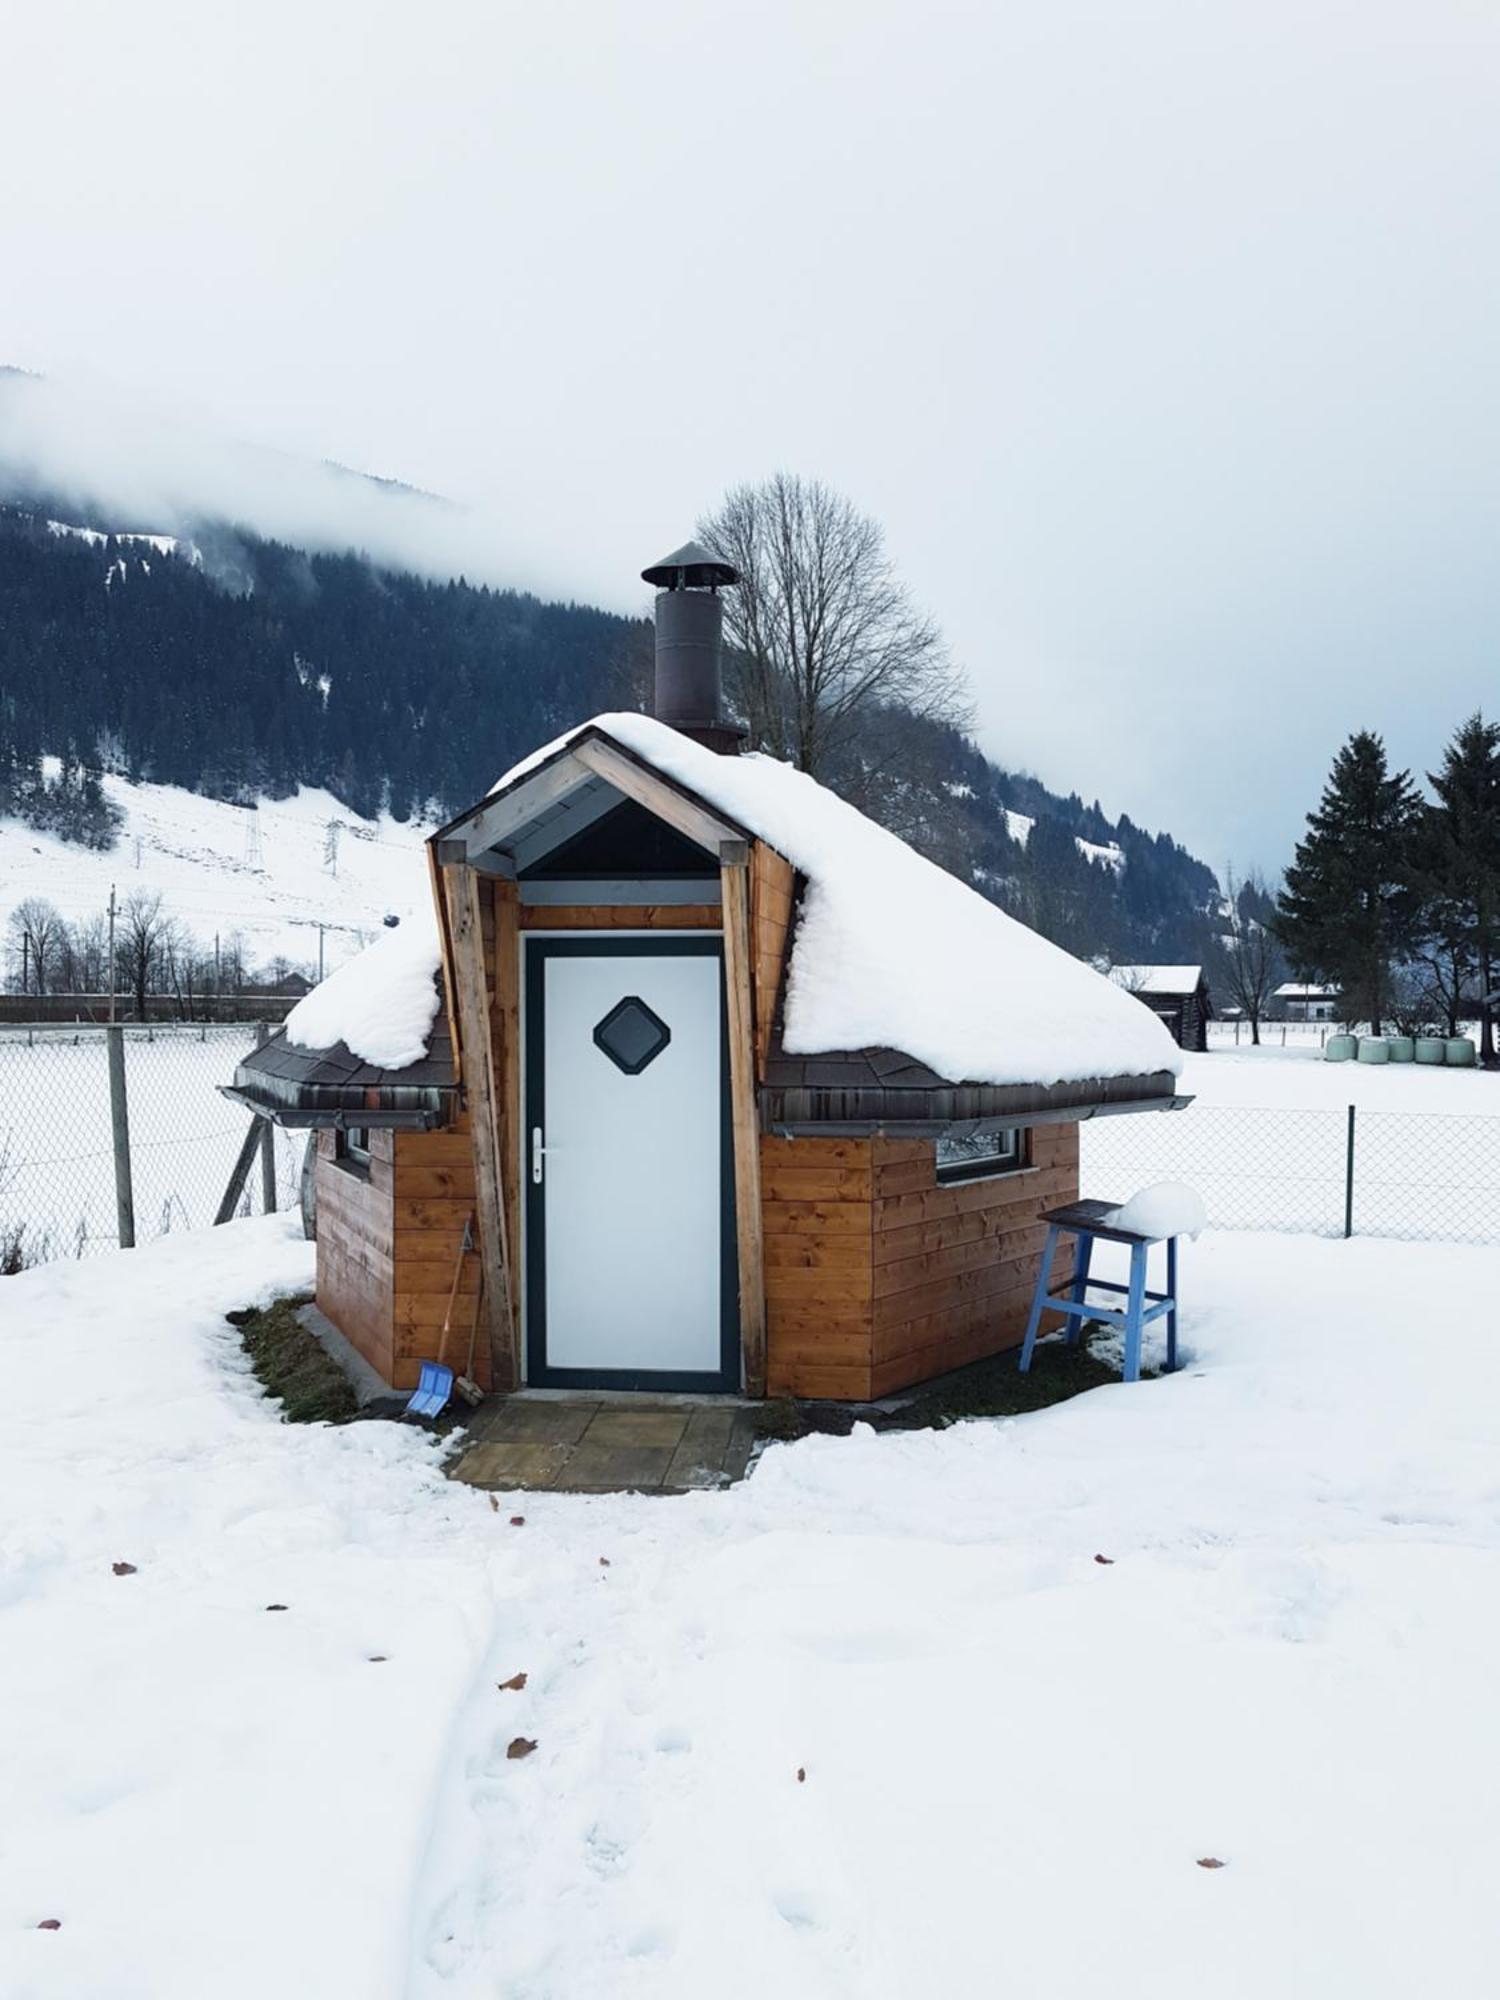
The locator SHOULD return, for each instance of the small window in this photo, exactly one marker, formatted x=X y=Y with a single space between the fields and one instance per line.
x=971 y=1155
x=352 y=1148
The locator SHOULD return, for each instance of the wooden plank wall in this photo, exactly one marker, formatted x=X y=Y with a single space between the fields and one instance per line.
x=772 y=885
x=433 y=1196
x=818 y=1207
x=955 y=1264
x=357 y=1248
x=878 y=1277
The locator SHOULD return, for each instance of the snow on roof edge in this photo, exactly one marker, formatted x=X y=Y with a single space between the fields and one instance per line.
x=890 y=951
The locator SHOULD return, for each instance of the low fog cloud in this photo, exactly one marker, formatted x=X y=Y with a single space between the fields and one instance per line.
x=126 y=466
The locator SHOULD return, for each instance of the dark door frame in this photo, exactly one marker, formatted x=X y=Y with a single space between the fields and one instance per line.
x=725 y=1380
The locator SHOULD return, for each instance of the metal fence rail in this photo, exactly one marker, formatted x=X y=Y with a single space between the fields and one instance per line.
x=1423 y=1176
x=61 y=1169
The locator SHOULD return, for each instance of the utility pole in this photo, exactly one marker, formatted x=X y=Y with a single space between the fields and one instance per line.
x=320 y=954
x=25 y=950
x=111 y=953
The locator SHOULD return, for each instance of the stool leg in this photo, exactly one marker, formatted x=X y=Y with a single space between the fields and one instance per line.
x=1080 y=1286
x=1133 y=1307
x=1172 y=1315
x=1038 y=1296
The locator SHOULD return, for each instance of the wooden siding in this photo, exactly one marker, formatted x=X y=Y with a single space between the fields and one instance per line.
x=620 y=917
x=356 y=1248
x=878 y=1276
x=772 y=886
x=434 y=1196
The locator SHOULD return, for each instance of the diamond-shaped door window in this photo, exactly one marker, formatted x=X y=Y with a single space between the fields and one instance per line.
x=631 y=1035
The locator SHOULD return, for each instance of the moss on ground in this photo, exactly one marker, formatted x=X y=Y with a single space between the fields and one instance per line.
x=992 y=1388
x=292 y=1366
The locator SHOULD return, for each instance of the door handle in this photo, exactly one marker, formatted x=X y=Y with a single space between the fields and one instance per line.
x=538 y=1152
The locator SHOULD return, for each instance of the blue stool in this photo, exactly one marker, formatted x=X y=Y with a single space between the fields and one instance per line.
x=1085 y=1220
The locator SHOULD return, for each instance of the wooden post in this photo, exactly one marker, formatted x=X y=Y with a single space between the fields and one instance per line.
x=267 y=1140
x=239 y=1174
x=505 y=1039
x=482 y=1100
x=119 y=1119
x=734 y=877
x=445 y=945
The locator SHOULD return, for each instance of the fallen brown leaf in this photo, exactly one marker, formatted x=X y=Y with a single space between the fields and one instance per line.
x=1106 y=1560
x=377 y=1659
x=494 y=1505
x=1210 y=1861
x=518 y=1520
x=521 y=1746
x=276 y=1607
x=123 y=1569
x=604 y=1562
x=50 y=1924
x=801 y=1774
x=514 y=1684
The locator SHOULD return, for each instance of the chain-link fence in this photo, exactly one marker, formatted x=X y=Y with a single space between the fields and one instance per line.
x=59 y=1185
x=1428 y=1177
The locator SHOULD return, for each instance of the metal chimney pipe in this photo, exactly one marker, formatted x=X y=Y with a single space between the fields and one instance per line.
x=689 y=691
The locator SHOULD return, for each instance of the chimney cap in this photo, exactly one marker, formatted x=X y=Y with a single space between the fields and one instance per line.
x=692 y=567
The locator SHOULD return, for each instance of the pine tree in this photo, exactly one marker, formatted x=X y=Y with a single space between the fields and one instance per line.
x=1460 y=860
x=1350 y=907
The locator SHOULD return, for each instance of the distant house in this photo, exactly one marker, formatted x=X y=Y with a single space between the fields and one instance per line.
x=290 y=986
x=1295 y=1002
x=1177 y=995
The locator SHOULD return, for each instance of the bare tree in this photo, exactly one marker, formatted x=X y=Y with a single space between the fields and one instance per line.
x=1253 y=960
x=822 y=634
x=143 y=936
x=35 y=934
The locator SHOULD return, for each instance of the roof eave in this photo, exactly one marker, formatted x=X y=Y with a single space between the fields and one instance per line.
x=924 y=1112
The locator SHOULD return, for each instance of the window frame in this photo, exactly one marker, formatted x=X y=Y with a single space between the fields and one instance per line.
x=351 y=1149
x=987 y=1166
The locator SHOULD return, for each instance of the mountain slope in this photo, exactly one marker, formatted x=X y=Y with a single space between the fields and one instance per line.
x=216 y=664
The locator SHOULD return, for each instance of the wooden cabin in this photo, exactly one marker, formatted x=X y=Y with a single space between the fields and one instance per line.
x=1177 y=995
x=621 y=1067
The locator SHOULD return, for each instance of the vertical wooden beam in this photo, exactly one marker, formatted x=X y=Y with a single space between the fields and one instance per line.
x=445 y=945
x=461 y=891
x=505 y=1039
x=734 y=875
x=267 y=1140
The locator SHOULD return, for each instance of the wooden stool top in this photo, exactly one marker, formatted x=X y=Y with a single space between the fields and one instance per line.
x=1089 y=1217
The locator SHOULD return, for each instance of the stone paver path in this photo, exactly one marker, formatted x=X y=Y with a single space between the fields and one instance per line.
x=582 y=1445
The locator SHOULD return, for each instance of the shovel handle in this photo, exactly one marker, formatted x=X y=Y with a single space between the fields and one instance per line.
x=458 y=1271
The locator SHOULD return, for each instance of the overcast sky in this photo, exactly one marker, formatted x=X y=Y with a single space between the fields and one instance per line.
x=1161 y=337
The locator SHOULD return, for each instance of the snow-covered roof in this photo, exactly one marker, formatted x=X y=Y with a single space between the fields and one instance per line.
x=1292 y=991
x=890 y=950
x=1157 y=978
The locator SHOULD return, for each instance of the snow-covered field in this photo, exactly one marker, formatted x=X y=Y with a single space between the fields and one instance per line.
x=57 y=1150
x=1016 y=1755
x=224 y=868
x=1266 y=1137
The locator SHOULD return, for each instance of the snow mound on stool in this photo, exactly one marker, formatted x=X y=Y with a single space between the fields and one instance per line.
x=1166 y=1208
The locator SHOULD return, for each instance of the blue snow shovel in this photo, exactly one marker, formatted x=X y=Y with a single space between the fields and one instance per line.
x=435 y=1383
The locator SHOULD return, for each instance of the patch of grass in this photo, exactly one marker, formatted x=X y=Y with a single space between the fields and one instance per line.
x=291 y=1365
x=992 y=1388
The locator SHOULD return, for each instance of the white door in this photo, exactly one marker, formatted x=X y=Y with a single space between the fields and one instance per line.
x=626 y=1181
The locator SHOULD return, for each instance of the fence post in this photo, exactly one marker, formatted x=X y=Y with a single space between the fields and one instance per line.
x=1349 y=1178
x=119 y=1119
x=267 y=1140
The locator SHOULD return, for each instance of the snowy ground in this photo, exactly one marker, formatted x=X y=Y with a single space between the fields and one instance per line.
x=1265 y=1141
x=1015 y=1755
x=1298 y=1078
x=223 y=868
x=57 y=1174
